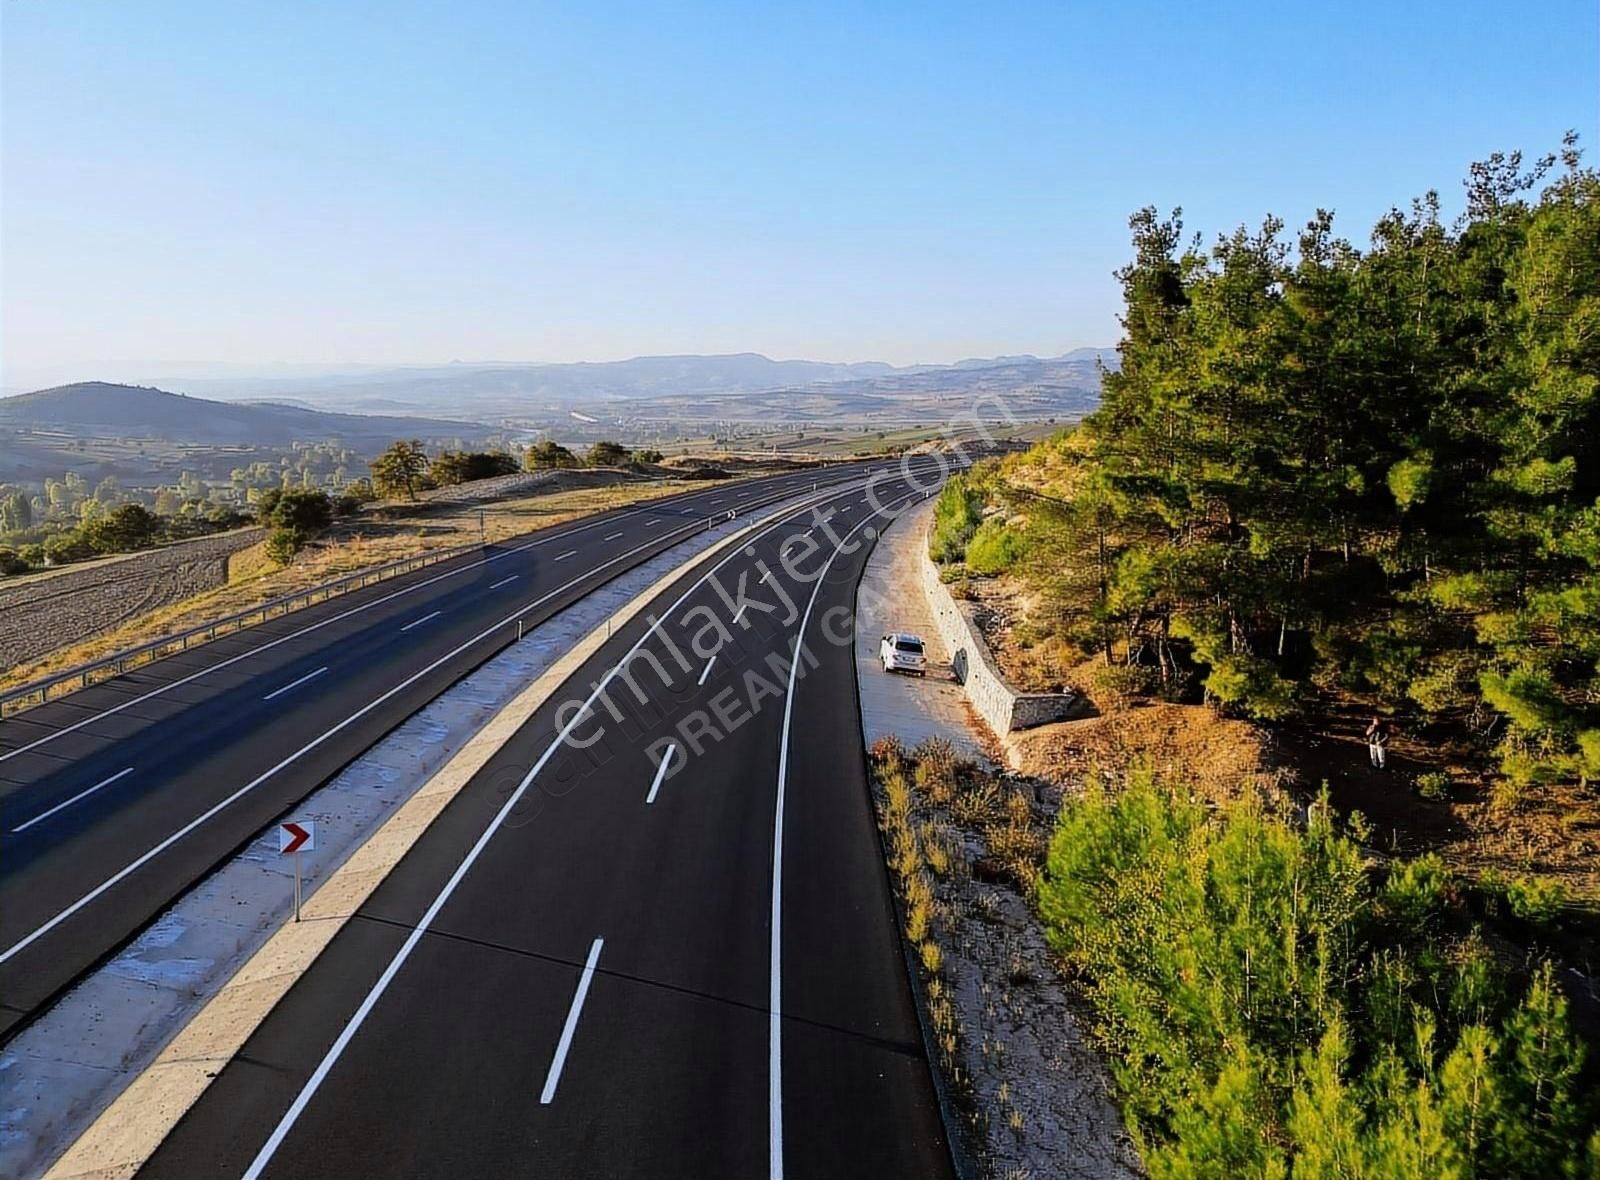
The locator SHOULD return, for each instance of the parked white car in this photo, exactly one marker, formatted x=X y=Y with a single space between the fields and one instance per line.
x=903 y=653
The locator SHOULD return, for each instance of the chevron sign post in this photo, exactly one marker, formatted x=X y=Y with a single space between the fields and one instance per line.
x=293 y=839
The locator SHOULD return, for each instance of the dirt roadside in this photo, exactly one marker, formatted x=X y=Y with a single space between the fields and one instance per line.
x=1032 y=1093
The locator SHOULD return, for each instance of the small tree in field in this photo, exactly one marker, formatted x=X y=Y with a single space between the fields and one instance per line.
x=454 y=467
x=399 y=469
x=549 y=455
x=124 y=528
x=304 y=510
x=283 y=543
x=608 y=454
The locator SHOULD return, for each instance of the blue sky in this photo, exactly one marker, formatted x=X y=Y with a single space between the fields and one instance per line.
x=246 y=184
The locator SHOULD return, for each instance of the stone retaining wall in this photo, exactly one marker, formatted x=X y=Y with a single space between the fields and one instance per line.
x=1002 y=707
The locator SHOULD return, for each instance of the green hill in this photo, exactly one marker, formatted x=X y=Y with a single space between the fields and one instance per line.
x=97 y=409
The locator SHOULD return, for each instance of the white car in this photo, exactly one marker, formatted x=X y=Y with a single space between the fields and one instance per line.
x=903 y=653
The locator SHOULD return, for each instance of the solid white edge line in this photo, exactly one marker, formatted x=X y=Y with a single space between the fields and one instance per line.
x=71 y=801
x=775 y=963
x=422 y=620
x=548 y=1094
x=295 y=684
x=216 y=808
x=336 y=1050
x=563 y=534
x=704 y=675
x=151 y=853
x=661 y=772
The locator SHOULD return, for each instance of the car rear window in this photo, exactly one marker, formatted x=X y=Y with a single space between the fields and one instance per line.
x=908 y=645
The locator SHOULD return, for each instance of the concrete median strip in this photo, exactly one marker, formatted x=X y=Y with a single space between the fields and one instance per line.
x=133 y=1125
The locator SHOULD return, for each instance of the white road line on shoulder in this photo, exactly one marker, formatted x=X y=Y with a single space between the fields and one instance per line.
x=422 y=620
x=71 y=801
x=661 y=772
x=278 y=692
x=503 y=582
x=303 y=631
x=612 y=537
x=336 y=1050
x=564 y=556
x=217 y=808
x=548 y=1095
x=704 y=675
x=775 y=962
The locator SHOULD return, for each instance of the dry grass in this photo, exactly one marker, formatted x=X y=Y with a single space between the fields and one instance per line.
x=250 y=564
x=899 y=781
x=1552 y=834
x=1032 y=656
x=1217 y=756
x=253 y=578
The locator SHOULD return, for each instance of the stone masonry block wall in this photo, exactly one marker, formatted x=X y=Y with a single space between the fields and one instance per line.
x=1002 y=707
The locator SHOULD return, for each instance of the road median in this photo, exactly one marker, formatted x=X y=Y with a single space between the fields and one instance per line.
x=134 y=1107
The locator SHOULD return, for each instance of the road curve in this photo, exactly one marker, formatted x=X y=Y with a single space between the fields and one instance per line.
x=116 y=799
x=587 y=967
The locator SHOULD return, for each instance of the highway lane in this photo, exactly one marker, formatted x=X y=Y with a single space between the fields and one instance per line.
x=116 y=799
x=577 y=971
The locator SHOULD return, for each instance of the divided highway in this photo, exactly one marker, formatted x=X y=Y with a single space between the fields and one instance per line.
x=653 y=937
x=116 y=799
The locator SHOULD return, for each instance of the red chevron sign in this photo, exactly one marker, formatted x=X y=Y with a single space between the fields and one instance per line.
x=301 y=837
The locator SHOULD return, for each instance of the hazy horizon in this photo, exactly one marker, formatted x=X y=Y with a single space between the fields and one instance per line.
x=14 y=381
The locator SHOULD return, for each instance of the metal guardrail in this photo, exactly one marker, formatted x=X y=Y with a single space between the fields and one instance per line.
x=50 y=688
x=38 y=692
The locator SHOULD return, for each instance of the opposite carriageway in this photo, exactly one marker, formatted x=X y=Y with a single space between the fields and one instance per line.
x=117 y=798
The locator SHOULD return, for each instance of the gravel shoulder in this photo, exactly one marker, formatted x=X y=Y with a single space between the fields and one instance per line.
x=1033 y=1091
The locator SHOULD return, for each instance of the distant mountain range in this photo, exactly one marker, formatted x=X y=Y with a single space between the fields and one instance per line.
x=139 y=433
x=502 y=391
x=96 y=409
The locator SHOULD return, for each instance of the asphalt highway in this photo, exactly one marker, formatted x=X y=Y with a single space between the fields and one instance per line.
x=116 y=799
x=653 y=937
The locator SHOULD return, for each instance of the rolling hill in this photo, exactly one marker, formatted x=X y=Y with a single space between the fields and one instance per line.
x=96 y=409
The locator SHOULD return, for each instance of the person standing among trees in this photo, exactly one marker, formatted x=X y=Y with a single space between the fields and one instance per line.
x=1378 y=742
